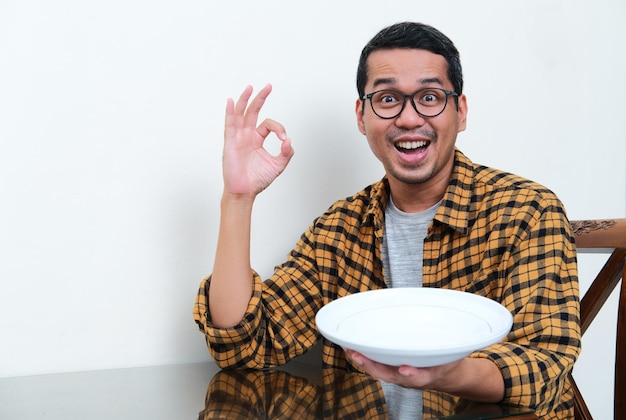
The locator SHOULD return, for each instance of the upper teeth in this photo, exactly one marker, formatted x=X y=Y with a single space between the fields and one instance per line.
x=411 y=144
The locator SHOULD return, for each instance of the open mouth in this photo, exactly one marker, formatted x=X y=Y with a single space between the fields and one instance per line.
x=412 y=146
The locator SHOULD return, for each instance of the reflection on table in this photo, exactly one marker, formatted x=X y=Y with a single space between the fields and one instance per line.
x=331 y=394
x=299 y=390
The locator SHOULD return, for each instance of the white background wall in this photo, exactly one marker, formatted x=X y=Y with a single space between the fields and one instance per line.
x=111 y=119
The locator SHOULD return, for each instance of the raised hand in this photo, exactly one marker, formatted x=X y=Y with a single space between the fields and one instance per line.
x=248 y=168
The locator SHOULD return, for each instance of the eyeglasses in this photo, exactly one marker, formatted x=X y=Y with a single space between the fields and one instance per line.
x=427 y=102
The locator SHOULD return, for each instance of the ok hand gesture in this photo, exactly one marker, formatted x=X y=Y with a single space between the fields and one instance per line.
x=248 y=168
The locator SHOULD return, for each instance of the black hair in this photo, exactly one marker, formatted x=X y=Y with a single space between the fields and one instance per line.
x=411 y=35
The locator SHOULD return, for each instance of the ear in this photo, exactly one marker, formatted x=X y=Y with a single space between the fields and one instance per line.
x=462 y=112
x=358 y=110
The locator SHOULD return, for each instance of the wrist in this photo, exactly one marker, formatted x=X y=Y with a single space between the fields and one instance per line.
x=231 y=199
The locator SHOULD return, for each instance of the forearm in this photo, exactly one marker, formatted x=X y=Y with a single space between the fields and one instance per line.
x=231 y=281
x=475 y=380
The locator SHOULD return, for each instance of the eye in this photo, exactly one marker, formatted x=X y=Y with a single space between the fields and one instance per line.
x=387 y=98
x=430 y=97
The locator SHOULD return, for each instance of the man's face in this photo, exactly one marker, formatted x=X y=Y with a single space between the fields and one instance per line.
x=414 y=150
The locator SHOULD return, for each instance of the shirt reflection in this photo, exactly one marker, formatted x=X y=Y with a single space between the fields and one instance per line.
x=276 y=394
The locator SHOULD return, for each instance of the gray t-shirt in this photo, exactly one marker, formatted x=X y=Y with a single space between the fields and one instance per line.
x=403 y=256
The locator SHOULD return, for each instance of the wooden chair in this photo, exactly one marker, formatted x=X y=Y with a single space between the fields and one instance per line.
x=610 y=236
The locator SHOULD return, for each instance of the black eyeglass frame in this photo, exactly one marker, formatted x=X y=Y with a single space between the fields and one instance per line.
x=448 y=93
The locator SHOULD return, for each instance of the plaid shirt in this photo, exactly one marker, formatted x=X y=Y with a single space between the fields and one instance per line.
x=495 y=234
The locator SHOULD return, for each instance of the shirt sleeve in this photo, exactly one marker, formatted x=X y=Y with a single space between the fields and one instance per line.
x=279 y=322
x=541 y=290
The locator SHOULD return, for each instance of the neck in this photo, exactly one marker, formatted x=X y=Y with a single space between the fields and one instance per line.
x=415 y=198
x=412 y=200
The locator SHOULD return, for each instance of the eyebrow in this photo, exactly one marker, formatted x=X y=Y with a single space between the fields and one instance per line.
x=393 y=80
x=431 y=80
x=384 y=81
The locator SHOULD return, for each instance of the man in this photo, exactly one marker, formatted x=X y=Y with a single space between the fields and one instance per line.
x=436 y=219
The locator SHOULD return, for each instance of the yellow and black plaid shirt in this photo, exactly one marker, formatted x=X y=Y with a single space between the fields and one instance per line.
x=495 y=234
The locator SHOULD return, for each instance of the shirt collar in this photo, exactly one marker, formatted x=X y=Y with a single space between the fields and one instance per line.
x=379 y=197
x=455 y=206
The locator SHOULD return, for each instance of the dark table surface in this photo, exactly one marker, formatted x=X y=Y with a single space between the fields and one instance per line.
x=298 y=390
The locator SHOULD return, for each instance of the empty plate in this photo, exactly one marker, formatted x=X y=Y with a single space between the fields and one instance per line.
x=414 y=326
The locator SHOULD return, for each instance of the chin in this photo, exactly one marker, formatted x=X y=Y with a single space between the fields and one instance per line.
x=412 y=177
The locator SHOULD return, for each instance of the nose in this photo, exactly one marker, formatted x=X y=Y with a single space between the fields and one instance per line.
x=409 y=117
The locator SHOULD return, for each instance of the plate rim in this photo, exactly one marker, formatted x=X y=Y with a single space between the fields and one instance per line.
x=325 y=322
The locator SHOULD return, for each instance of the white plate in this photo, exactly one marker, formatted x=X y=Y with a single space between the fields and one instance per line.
x=414 y=326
